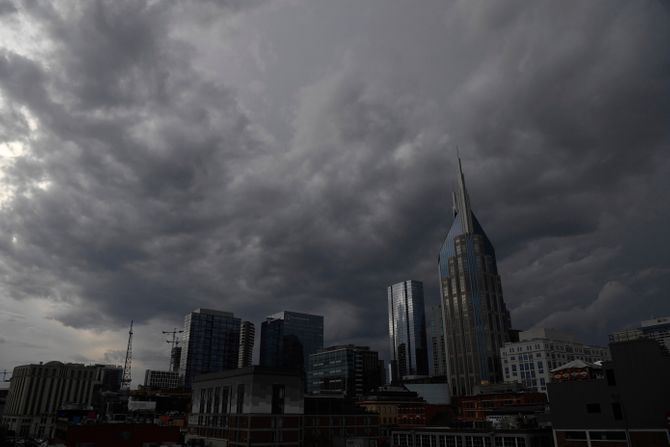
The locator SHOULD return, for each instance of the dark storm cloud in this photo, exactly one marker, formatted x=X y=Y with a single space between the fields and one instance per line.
x=149 y=190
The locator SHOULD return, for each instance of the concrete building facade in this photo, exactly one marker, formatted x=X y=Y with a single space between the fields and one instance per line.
x=38 y=391
x=248 y=406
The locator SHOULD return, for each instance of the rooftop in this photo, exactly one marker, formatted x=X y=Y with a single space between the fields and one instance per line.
x=577 y=364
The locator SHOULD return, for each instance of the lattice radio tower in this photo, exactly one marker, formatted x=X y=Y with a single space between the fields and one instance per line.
x=125 y=381
x=174 y=342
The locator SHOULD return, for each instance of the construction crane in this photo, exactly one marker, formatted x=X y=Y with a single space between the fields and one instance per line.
x=174 y=342
x=126 y=379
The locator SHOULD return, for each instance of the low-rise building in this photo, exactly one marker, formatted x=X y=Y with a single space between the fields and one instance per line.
x=38 y=391
x=656 y=329
x=263 y=406
x=338 y=421
x=115 y=435
x=478 y=408
x=396 y=406
x=4 y=391
x=452 y=437
x=538 y=351
x=347 y=370
x=626 y=405
x=247 y=406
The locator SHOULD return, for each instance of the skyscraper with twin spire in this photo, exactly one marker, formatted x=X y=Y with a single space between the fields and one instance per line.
x=476 y=320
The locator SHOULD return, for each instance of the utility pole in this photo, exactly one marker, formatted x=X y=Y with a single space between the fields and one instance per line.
x=126 y=379
x=174 y=342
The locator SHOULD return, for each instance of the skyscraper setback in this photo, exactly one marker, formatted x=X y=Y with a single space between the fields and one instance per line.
x=476 y=319
x=407 y=330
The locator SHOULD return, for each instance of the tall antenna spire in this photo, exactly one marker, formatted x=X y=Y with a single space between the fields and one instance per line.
x=462 y=201
x=125 y=381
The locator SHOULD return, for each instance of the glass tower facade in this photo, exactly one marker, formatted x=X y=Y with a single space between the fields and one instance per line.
x=437 y=360
x=210 y=343
x=288 y=338
x=407 y=330
x=476 y=319
x=351 y=371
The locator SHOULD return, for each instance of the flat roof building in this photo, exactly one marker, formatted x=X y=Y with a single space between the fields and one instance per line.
x=540 y=350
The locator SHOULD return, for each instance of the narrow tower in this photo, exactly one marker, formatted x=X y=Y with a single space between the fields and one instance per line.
x=407 y=330
x=247 y=337
x=476 y=320
x=125 y=381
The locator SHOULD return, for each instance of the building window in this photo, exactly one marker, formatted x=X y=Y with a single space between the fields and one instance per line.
x=593 y=408
x=575 y=436
x=240 y=398
x=616 y=411
x=607 y=436
x=278 y=399
x=611 y=380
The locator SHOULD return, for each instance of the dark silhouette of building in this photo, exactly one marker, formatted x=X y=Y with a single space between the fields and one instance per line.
x=175 y=358
x=211 y=342
x=288 y=338
x=115 y=435
x=437 y=350
x=407 y=330
x=626 y=404
x=477 y=322
x=347 y=370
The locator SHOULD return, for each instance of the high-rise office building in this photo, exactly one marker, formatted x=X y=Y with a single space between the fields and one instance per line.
x=407 y=330
x=288 y=338
x=350 y=371
x=175 y=358
x=210 y=343
x=477 y=322
x=437 y=360
x=247 y=336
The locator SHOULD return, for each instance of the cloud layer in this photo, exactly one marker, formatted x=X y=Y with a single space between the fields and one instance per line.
x=158 y=157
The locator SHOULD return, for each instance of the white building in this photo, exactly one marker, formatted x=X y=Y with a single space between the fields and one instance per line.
x=162 y=380
x=37 y=392
x=657 y=329
x=538 y=351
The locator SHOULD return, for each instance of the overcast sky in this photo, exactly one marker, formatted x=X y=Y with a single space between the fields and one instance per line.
x=259 y=156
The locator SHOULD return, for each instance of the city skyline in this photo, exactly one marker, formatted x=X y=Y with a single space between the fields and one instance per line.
x=259 y=156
